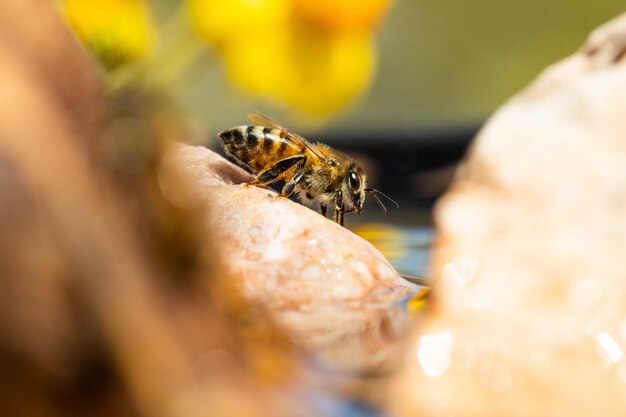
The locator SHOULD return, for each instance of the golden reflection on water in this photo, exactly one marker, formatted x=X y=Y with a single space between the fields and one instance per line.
x=407 y=248
x=388 y=239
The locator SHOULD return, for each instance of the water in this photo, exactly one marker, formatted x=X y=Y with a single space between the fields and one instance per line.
x=404 y=235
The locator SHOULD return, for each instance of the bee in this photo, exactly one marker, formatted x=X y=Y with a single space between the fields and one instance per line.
x=316 y=172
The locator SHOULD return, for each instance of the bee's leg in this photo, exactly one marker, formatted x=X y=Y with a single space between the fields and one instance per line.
x=323 y=209
x=338 y=214
x=271 y=174
x=291 y=185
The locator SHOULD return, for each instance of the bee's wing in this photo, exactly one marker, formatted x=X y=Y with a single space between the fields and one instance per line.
x=262 y=120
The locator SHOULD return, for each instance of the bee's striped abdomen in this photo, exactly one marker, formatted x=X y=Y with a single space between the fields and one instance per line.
x=257 y=147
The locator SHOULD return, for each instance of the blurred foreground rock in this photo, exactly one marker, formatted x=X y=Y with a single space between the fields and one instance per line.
x=112 y=303
x=529 y=317
x=332 y=290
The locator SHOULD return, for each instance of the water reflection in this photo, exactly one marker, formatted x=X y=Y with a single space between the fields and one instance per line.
x=403 y=235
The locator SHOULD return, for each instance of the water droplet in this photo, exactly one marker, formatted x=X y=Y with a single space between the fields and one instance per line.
x=608 y=348
x=433 y=353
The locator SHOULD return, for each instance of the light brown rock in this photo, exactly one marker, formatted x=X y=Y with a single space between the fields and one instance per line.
x=108 y=304
x=530 y=311
x=332 y=290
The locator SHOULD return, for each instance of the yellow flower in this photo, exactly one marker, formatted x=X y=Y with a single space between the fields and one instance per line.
x=315 y=72
x=227 y=20
x=277 y=50
x=118 y=31
x=343 y=15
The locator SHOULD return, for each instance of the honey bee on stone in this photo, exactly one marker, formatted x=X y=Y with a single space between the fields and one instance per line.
x=316 y=172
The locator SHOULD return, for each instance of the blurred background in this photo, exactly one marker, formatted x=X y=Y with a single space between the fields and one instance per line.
x=110 y=293
x=402 y=85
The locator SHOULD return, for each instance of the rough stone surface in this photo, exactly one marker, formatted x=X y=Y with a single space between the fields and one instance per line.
x=530 y=311
x=332 y=290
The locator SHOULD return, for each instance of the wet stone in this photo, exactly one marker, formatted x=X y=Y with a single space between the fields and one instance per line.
x=306 y=270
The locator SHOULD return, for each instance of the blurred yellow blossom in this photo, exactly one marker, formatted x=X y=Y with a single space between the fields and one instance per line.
x=342 y=15
x=227 y=20
x=314 y=55
x=118 y=31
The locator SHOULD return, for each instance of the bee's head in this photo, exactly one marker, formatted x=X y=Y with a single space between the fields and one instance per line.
x=355 y=184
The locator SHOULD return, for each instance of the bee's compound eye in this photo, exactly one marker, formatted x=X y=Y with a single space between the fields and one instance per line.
x=354 y=180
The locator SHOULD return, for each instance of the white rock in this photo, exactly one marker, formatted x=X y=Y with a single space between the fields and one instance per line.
x=532 y=255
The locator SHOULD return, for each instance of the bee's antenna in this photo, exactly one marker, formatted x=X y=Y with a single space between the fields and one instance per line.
x=380 y=203
x=374 y=193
